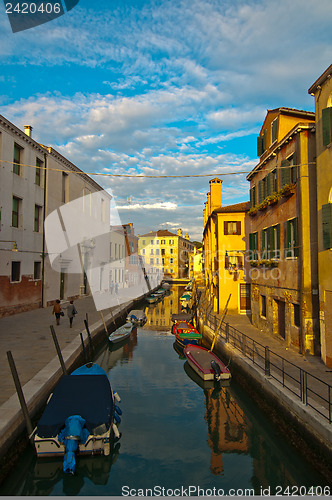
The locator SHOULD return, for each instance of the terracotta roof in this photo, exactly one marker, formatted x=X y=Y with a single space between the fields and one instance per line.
x=160 y=232
x=238 y=207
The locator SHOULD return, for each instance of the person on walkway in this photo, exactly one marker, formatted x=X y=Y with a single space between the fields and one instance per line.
x=71 y=311
x=57 y=310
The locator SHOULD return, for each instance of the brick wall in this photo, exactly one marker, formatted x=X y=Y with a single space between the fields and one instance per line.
x=19 y=297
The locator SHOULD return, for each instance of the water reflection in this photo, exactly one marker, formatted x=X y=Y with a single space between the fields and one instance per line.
x=176 y=429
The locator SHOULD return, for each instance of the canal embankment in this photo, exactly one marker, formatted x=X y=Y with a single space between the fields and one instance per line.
x=293 y=390
x=28 y=337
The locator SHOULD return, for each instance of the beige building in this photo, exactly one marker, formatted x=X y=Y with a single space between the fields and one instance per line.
x=322 y=92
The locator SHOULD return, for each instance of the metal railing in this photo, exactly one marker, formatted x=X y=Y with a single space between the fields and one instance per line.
x=309 y=389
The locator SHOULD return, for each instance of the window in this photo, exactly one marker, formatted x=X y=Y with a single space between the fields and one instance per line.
x=327 y=225
x=36 y=270
x=274 y=130
x=16 y=271
x=157 y=251
x=262 y=189
x=232 y=227
x=143 y=242
x=163 y=251
x=263 y=306
x=253 y=246
x=291 y=238
x=151 y=261
x=271 y=242
x=171 y=261
x=171 y=250
x=288 y=171
x=151 y=251
x=143 y=251
x=233 y=261
x=157 y=261
x=37 y=221
x=39 y=165
x=163 y=242
x=253 y=196
x=17 y=159
x=272 y=182
x=327 y=126
x=261 y=143
x=297 y=315
x=16 y=212
x=65 y=185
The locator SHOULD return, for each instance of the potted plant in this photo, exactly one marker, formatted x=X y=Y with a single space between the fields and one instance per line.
x=272 y=199
x=252 y=211
x=262 y=206
x=253 y=263
x=287 y=190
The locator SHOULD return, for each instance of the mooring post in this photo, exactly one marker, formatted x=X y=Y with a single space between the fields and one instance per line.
x=83 y=347
x=227 y=332
x=103 y=320
x=20 y=394
x=89 y=335
x=267 y=361
x=58 y=350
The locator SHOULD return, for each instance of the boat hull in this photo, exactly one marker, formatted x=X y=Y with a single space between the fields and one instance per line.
x=200 y=359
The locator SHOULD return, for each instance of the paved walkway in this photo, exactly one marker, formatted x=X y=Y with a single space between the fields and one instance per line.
x=28 y=336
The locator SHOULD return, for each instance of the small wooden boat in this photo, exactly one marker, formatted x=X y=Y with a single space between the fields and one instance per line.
x=137 y=317
x=166 y=286
x=122 y=333
x=152 y=299
x=185 y=333
x=206 y=363
x=79 y=417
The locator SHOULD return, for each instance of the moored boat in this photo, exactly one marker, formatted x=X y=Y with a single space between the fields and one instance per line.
x=185 y=333
x=137 y=317
x=122 y=333
x=205 y=363
x=79 y=417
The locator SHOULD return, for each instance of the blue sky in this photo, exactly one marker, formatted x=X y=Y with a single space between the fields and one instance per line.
x=163 y=88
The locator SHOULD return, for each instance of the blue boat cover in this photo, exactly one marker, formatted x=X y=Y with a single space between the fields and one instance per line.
x=90 y=369
x=86 y=395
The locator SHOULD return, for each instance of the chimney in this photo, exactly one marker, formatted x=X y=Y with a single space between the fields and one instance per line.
x=28 y=130
x=215 y=190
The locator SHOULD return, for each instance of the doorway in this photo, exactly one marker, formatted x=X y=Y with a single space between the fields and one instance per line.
x=281 y=318
x=245 y=304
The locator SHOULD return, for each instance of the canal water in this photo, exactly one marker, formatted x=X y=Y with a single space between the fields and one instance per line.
x=177 y=437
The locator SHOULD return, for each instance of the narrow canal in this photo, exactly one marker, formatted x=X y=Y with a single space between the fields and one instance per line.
x=175 y=434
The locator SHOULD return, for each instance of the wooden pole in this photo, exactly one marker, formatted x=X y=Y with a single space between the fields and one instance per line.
x=103 y=320
x=222 y=319
x=58 y=350
x=20 y=394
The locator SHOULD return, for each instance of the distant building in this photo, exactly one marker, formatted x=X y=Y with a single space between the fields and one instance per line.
x=322 y=91
x=225 y=232
x=166 y=253
x=283 y=229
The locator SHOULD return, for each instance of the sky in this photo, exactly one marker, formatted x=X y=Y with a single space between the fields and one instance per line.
x=168 y=87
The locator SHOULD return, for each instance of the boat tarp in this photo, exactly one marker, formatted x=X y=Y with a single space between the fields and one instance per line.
x=86 y=395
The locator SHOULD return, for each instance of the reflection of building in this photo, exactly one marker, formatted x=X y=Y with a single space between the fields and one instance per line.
x=166 y=253
x=283 y=232
x=322 y=90
x=34 y=182
x=224 y=252
x=160 y=314
x=196 y=264
x=226 y=427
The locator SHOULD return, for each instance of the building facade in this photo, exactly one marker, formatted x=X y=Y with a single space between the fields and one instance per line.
x=283 y=230
x=225 y=230
x=322 y=92
x=166 y=253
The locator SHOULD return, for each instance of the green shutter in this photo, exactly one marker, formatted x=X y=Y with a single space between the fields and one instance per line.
x=327 y=126
x=259 y=146
x=270 y=183
x=285 y=173
x=287 y=237
x=277 y=253
x=296 y=237
x=263 y=232
x=252 y=204
x=264 y=140
x=274 y=129
x=327 y=225
x=260 y=191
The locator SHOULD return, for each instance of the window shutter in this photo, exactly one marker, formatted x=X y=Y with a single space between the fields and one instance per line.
x=296 y=236
x=239 y=261
x=274 y=129
x=285 y=173
x=238 y=227
x=270 y=183
x=327 y=126
x=226 y=261
x=225 y=227
x=260 y=191
x=277 y=253
x=264 y=140
x=287 y=236
x=259 y=146
x=327 y=225
x=263 y=247
x=271 y=242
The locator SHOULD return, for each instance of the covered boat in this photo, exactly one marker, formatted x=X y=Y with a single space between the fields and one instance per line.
x=205 y=363
x=79 y=417
x=137 y=317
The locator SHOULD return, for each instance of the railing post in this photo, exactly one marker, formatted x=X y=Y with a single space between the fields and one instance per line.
x=227 y=332
x=243 y=343
x=267 y=361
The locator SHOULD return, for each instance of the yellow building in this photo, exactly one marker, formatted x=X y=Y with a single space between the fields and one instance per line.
x=283 y=230
x=322 y=91
x=167 y=253
x=224 y=252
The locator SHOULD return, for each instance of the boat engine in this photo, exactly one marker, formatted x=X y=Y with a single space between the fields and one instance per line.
x=217 y=371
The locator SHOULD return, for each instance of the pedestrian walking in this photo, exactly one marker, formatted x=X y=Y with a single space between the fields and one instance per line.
x=71 y=311
x=57 y=310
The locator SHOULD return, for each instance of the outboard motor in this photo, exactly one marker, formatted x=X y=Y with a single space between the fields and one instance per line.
x=73 y=433
x=217 y=371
